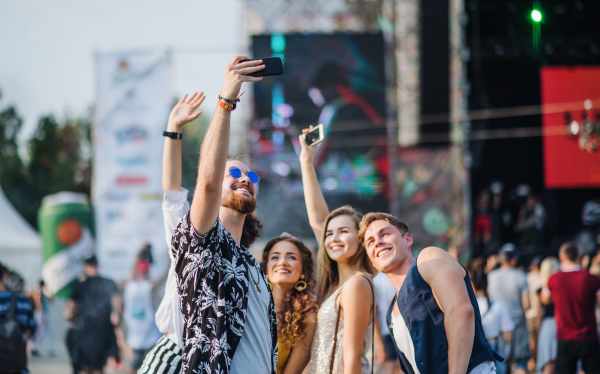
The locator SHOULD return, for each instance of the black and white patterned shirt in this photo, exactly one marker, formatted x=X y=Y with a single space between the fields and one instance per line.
x=213 y=284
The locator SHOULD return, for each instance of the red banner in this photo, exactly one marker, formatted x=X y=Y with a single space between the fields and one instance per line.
x=566 y=165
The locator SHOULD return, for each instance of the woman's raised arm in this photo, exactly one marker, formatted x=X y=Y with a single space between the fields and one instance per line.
x=313 y=197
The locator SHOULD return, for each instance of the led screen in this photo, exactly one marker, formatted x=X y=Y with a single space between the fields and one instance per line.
x=337 y=80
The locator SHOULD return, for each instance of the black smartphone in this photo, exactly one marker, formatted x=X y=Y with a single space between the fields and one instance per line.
x=315 y=136
x=273 y=66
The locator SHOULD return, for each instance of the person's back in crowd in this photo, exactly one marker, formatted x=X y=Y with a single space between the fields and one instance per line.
x=22 y=311
x=138 y=314
x=385 y=350
x=95 y=306
x=495 y=318
x=509 y=285
x=547 y=345
x=575 y=294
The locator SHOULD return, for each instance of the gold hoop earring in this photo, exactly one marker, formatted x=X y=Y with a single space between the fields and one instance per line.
x=300 y=285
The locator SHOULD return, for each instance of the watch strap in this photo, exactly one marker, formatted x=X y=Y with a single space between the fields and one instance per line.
x=173 y=135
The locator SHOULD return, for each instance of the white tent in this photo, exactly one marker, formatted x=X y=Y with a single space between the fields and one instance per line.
x=20 y=244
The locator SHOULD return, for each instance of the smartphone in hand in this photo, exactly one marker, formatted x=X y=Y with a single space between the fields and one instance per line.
x=315 y=136
x=273 y=66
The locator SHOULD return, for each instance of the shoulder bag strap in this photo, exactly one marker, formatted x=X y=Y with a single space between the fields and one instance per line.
x=10 y=314
x=337 y=325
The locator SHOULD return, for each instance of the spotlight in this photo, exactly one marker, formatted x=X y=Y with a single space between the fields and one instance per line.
x=574 y=128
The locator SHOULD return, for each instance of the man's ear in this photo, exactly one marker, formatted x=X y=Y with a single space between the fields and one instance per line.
x=409 y=239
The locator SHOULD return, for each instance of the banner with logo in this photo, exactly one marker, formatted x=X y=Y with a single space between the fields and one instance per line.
x=132 y=109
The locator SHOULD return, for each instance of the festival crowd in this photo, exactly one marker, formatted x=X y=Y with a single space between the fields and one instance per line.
x=363 y=304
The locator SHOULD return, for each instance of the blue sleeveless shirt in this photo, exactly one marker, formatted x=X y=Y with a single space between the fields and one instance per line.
x=425 y=322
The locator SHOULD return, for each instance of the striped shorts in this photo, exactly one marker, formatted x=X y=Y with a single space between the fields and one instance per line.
x=164 y=358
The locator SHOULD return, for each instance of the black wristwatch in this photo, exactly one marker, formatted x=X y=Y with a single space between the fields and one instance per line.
x=173 y=135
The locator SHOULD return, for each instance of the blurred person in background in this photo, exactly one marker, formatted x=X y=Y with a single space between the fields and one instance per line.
x=385 y=350
x=534 y=283
x=495 y=318
x=575 y=294
x=482 y=224
x=166 y=355
x=546 y=325
x=138 y=313
x=498 y=218
x=530 y=225
x=289 y=267
x=43 y=321
x=509 y=285
x=590 y=217
x=13 y=344
x=146 y=253
x=95 y=306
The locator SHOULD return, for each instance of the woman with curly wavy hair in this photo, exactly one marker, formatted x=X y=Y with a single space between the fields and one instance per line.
x=288 y=264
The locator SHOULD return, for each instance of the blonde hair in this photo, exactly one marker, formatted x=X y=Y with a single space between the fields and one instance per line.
x=549 y=266
x=327 y=270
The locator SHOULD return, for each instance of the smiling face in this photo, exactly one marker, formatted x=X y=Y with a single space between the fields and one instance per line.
x=341 y=238
x=238 y=194
x=386 y=246
x=284 y=265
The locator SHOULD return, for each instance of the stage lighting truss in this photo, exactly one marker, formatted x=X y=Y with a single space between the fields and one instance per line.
x=585 y=132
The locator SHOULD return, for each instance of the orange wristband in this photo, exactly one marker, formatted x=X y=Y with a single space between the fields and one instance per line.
x=225 y=106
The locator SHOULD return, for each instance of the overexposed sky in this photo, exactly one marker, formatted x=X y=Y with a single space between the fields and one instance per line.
x=47 y=48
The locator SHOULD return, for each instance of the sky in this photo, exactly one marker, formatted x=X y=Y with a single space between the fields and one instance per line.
x=47 y=48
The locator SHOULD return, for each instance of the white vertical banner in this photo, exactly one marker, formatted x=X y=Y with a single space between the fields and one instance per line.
x=132 y=109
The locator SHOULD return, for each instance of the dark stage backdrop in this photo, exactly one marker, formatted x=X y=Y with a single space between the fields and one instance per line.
x=337 y=80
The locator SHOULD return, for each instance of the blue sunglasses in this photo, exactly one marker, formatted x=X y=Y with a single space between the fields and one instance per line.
x=235 y=172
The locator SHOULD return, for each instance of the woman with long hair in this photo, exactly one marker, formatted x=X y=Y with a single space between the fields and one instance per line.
x=288 y=265
x=345 y=294
x=546 y=325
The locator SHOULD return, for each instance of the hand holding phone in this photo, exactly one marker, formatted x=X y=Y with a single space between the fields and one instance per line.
x=315 y=135
x=273 y=66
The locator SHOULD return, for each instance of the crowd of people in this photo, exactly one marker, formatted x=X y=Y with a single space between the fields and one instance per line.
x=363 y=301
x=545 y=319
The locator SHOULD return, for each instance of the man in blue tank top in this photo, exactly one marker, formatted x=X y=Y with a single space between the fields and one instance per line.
x=434 y=318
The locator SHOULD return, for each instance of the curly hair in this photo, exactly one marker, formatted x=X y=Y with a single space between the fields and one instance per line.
x=292 y=317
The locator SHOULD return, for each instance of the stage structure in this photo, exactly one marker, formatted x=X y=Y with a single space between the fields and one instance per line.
x=132 y=108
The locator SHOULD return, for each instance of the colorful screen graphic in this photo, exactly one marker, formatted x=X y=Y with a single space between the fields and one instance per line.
x=337 y=80
x=566 y=165
x=430 y=194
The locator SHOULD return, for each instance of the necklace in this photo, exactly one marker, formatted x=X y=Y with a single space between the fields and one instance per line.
x=255 y=281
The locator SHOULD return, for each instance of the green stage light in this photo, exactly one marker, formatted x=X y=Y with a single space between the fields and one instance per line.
x=536 y=15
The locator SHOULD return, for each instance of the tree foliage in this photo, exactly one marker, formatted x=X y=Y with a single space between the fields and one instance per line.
x=59 y=160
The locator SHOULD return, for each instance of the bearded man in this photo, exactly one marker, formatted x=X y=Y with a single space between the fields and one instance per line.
x=227 y=306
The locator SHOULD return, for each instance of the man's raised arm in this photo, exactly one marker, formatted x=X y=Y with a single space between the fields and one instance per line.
x=213 y=154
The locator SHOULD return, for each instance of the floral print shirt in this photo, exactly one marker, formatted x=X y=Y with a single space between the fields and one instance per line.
x=213 y=284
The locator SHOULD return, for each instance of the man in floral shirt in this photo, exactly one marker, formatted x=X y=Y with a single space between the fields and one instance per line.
x=227 y=306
